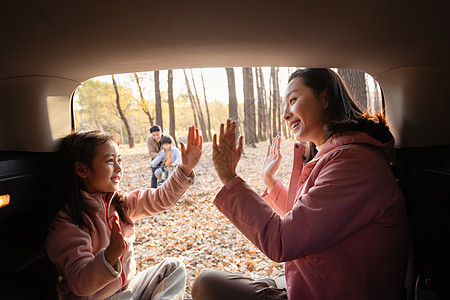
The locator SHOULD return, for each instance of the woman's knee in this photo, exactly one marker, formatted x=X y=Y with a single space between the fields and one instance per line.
x=205 y=284
x=215 y=284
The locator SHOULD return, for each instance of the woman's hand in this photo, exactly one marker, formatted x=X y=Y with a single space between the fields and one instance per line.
x=191 y=153
x=116 y=245
x=225 y=153
x=271 y=163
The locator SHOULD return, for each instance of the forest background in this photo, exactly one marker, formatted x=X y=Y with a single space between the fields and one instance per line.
x=129 y=104
x=194 y=230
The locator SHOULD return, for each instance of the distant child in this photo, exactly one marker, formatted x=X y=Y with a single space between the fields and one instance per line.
x=90 y=240
x=169 y=155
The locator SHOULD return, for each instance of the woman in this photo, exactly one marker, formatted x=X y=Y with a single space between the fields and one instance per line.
x=341 y=226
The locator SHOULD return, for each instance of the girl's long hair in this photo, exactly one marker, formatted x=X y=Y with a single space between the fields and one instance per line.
x=80 y=147
x=342 y=113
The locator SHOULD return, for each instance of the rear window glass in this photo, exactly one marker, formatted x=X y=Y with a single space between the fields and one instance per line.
x=199 y=96
x=194 y=230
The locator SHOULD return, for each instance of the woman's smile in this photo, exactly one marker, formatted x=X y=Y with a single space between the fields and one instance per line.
x=294 y=124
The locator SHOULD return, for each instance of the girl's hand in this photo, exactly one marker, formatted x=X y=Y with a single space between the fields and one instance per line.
x=116 y=245
x=225 y=153
x=191 y=153
x=271 y=163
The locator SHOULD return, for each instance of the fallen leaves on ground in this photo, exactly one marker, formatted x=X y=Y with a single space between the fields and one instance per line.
x=194 y=230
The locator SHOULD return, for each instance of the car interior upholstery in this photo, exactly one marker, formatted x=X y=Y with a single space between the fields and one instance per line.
x=50 y=47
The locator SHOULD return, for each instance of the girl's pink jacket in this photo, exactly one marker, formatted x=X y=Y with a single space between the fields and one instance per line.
x=341 y=227
x=78 y=254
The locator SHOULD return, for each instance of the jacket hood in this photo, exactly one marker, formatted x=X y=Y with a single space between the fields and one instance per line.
x=357 y=137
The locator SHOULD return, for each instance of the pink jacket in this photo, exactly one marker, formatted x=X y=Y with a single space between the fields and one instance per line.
x=341 y=227
x=78 y=255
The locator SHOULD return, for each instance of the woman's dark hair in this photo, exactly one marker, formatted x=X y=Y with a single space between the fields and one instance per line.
x=80 y=147
x=342 y=112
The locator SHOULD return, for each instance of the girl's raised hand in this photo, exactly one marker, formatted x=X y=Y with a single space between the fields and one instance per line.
x=116 y=245
x=191 y=152
x=271 y=163
x=226 y=154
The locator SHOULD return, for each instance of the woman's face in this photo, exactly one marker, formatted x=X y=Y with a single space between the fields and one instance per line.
x=304 y=112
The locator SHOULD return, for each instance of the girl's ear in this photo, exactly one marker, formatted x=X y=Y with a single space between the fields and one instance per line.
x=81 y=169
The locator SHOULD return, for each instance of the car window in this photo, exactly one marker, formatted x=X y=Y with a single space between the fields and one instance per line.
x=202 y=97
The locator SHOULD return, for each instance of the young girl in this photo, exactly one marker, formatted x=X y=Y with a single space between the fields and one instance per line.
x=90 y=240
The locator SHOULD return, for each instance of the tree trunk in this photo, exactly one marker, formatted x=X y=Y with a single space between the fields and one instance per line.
x=356 y=83
x=260 y=106
x=274 y=102
x=158 y=110
x=232 y=99
x=141 y=102
x=199 y=110
x=122 y=115
x=281 y=125
x=171 y=104
x=270 y=109
x=249 y=107
x=265 y=115
x=191 y=99
x=207 y=108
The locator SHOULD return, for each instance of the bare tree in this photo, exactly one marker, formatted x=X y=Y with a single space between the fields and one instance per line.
x=232 y=99
x=270 y=109
x=249 y=107
x=262 y=111
x=266 y=118
x=158 y=109
x=274 y=97
x=141 y=102
x=122 y=115
x=199 y=110
x=281 y=123
x=207 y=108
x=191 y=99
x=171 y=104
x=356 y=83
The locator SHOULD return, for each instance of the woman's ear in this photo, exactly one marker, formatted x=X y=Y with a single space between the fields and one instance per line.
x=324 y=97
x=81 y=169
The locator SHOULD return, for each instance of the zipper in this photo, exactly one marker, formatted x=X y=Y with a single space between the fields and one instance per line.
x=122 y=275
x=107 y=211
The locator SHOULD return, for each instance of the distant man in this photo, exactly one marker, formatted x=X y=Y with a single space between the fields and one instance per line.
x=154 y=147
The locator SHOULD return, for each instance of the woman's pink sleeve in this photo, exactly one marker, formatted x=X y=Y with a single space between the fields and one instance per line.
x=277 y=198
x=345 y=197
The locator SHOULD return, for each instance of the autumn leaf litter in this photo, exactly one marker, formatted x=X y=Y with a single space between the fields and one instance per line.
x=194 y=230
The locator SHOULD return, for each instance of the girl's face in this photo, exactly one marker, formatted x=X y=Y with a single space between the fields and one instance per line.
x=106 y=171
x=304 y=112
x=167 y=146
